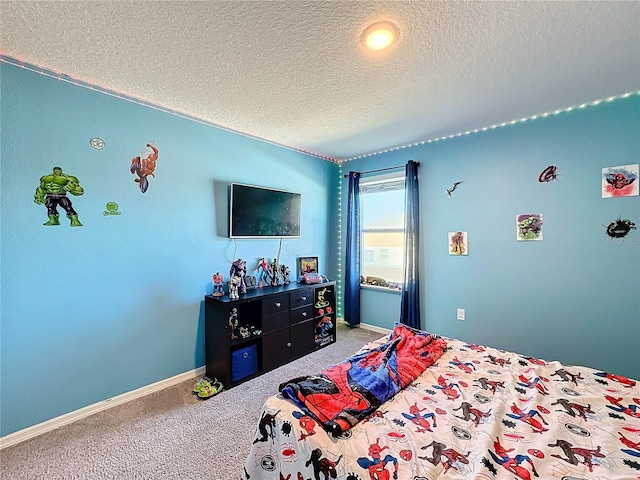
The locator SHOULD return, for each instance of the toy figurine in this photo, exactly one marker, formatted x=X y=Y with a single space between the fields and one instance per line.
x=321 y=301
x=263 y=273
x=234 y=283
x=218 y=281
x=285 y=274
x=233 y=323
x=239 y=270
x=274 y=273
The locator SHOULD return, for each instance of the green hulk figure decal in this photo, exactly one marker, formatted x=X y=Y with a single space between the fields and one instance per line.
x=53 y=192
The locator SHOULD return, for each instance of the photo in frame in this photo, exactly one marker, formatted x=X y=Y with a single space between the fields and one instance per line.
x=307 y=265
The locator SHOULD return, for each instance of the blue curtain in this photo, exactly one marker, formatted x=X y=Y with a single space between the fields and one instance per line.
x=410 y=303
x=352 y=258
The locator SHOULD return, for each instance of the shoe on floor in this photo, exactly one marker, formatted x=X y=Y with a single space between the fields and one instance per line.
x=208 y=391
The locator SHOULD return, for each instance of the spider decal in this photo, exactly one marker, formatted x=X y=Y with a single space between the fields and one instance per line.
x=548 y=174
x=620 y=228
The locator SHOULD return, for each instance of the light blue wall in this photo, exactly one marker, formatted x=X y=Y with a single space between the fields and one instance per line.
x=573 y=297
x=92 y=312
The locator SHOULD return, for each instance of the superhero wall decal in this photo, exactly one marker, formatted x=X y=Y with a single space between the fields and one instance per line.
x=52 y=193
x=548 y=174
x=529 y=227
x=621 y=181
x=620 y=228
x=144 y=166
x=458 y=244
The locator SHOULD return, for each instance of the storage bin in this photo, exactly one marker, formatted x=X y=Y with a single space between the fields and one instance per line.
x=244 y=362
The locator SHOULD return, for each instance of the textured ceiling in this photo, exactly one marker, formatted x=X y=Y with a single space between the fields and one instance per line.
x=295 y=73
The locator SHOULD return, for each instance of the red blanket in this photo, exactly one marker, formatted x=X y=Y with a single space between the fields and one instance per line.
x=344 y=394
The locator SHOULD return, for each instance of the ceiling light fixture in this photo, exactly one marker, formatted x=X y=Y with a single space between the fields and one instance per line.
x=379 y=35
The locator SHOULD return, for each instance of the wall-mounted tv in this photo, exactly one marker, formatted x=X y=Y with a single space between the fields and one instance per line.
x=261 y=212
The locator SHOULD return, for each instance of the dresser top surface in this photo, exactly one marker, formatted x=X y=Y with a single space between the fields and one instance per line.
x=269 y=291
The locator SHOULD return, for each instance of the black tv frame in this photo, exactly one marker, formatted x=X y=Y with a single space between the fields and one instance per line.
x=263 y=212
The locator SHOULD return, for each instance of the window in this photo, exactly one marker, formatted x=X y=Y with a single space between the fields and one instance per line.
x=382 y=211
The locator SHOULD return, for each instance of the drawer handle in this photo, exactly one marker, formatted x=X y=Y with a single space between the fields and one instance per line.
x=278 y=304
x=245 y=355
x=289 y=344
x=304 y=314
x=303 y=298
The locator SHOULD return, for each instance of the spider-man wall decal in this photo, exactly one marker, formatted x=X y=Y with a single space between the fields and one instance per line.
x=620 y=181
x=144 y=167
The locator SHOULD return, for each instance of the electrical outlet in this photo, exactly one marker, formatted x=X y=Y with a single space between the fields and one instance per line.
x=461 y=314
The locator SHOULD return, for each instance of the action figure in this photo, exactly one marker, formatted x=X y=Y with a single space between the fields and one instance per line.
x=274 y=273
x=263 y=273
x=233 y=323
x=234 y=283
x=285 y=274
x=53 y=192
x=218 y=281
x=321 y=301
x=239 y=270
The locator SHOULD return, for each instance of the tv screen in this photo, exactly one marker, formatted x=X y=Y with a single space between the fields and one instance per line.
x=259 y=212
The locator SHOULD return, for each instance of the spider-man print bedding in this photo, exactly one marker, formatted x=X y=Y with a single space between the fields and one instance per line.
x=476 y=413
x=350 y=391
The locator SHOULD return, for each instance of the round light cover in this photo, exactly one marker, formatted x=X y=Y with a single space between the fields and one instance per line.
x=379 y=35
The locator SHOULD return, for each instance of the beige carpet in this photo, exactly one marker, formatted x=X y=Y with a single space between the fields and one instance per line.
x=169 y=434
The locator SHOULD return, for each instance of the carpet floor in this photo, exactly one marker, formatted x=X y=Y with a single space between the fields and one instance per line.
x=169 y=434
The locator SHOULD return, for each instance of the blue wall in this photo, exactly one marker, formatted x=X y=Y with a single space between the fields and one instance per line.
x=575 y=296
x=92 y=312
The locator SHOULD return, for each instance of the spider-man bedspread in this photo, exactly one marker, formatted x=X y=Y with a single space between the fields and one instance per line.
x=476 y=413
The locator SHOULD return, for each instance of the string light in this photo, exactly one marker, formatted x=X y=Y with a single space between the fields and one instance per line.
x=503 y=124
x=146 y=103
x=173 y=111
x=340 y=312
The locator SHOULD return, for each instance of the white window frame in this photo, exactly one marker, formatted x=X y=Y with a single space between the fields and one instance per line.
x=370 y=184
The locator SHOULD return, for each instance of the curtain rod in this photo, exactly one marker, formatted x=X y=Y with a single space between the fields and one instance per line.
x=346 y=175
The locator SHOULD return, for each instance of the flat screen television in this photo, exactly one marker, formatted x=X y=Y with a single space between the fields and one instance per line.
x=261 y=212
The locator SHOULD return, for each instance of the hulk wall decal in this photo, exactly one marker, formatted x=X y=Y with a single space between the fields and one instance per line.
x=52 y=192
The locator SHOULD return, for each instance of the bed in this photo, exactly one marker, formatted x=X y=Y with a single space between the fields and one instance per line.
x=415 y=406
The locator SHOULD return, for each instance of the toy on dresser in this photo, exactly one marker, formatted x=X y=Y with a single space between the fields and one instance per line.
x=273 y=271
x=237 y=283
x=218 y=284
x=312 y=277
x=263 y=273
x=285 y=274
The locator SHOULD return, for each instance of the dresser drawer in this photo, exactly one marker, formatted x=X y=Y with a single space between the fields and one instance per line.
x=301 y=298
x=301 y=314
x=275 y=304
x=275 y=322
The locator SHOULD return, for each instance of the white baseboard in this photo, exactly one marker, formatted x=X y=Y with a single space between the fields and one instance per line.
x=366 y=326
x=374 y=328
x=67 y=418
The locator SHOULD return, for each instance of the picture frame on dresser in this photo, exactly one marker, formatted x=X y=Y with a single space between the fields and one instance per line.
x=307 y=265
